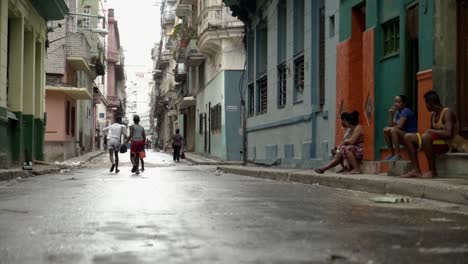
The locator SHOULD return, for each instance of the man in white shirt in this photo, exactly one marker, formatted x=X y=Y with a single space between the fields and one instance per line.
x=114 y=133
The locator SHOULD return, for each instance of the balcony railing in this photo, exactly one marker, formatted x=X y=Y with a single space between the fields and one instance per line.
x=194 y=57
x=168 y=18
x=216 y=17
x=181 y=51
x=180 y=74
x=166 y=56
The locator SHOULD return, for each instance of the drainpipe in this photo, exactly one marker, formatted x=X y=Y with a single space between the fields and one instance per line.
x=243 y=104
x=315 y=81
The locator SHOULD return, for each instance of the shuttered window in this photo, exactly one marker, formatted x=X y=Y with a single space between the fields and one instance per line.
x=298 y=26
x=262 y=49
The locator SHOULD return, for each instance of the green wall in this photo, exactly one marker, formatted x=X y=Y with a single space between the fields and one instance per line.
x=389 y=73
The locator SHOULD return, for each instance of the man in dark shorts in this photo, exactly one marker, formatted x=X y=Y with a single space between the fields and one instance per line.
x=444 y=127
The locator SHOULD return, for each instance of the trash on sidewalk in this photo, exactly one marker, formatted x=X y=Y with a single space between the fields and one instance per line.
x=390 y=199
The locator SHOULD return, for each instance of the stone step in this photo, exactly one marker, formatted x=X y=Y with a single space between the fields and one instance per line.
x=453 y=165
x=398 y=168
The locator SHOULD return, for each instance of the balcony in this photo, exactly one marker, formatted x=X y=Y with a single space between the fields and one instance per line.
x=180 y=74
x=168 y=19
x=183 y=10
x=166 y=56
x=113 y=101
x=214 y=24
x=181 y=51
x=112 y=56
x=194 y=57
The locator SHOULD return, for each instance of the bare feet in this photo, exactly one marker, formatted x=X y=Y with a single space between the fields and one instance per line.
x=429 y=175
x=319 y=171
x=414 y=173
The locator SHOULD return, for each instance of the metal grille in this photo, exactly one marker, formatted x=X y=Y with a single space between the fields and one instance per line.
x=299 y=74
x=251 y=100
x=216 y=118
x=200 y=124
x=282 y=85
x=262 y=85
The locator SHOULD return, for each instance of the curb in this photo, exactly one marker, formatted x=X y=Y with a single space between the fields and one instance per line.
x=438 y=191
x=9 y=175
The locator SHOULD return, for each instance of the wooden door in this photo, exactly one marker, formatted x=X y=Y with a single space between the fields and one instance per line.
x=462 y=66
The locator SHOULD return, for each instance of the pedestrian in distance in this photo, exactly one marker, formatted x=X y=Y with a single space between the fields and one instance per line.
x=137 y=139
x=114 y=136
x=352 y=148
x=177 y=143
x=402 y=121
x=435 y=141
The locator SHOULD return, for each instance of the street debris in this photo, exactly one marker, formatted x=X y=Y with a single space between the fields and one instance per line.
x=441 y=219
x=390 y=199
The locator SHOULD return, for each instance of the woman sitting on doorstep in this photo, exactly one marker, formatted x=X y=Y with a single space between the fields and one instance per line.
x=352 y=148
x=402 y=121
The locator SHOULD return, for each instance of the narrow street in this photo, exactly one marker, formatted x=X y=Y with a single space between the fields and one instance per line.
x=178 y=213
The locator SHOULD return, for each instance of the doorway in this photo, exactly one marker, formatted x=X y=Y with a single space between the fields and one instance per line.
x=462 y=66
x=412 y=57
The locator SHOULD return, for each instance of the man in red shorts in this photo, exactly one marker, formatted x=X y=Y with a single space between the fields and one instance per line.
x=137 y=137
x=444 y=127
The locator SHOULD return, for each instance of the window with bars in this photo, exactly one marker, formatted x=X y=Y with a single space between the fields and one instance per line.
x=200 y=124
x=262 y=95
x=322 y=56
x=282 y=85
x=251 y=99
x=391 y=34
x=216 y=118
x=299 y=76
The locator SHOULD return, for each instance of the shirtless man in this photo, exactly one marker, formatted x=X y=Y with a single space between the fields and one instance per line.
x=444 y=127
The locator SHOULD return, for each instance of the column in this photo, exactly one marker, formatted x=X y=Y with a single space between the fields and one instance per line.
x=39 y=124
x=15 y=85
x=3 y=83
x=29 y=85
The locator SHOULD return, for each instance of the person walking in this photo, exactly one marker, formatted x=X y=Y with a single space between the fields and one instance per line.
x=137 y=138
x=114 y=135
x=177 y=143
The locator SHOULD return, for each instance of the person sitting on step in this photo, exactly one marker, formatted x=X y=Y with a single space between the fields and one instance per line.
x=402 y=121
x=436 y=140
x=352 y=148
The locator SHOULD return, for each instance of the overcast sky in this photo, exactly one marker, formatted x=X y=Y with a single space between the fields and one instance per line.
x=139 y=27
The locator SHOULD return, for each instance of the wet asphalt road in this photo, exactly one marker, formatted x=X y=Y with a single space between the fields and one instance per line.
x=188 y=214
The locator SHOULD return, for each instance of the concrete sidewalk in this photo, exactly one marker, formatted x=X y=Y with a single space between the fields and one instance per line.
x=201 y=160
x=440 y=189
x=54 y=167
